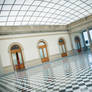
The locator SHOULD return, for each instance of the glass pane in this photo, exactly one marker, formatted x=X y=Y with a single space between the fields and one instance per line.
x=9 y=1
x=86 y=38
x=14 y=47
x=6 y=7
x=45 y=53
x=20 y=57
x=14 y=59
x=41 y=43
x=60 y=40
x=78 y=45
x=90 y=34
x=41 y=53
x=63 y=47
x=60 y=48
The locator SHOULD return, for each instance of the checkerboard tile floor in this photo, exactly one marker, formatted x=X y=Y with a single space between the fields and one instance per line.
x=71 y=74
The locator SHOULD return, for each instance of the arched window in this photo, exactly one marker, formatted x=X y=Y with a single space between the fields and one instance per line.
x=62 y=47
x=17 y=57
x=43 y=51
x=78 y=45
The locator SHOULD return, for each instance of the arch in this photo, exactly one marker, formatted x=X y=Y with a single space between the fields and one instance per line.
x=77 y=38
x=16 y=56
x=62 y=46
x=78 y=44
x=43 y=51
x=42 y=42
x=15 y=43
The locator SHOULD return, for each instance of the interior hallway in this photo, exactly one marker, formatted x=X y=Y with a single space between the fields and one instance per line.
x=69 y=74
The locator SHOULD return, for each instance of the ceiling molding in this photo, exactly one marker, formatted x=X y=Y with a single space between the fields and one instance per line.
x=6 y=30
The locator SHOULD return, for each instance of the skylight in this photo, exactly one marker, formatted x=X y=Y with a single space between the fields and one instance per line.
x=43 y=12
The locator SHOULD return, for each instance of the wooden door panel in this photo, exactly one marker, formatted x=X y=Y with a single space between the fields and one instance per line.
x=18 y=60
x=45 y=59
x=22 y=66
x=63 y=50
x=14 y=51
x=78 y=46
x=18 y=67
x=79 y=50
x=44 y=54
x=64 y=54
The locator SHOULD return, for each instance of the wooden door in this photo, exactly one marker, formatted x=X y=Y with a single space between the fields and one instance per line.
x=43 y=53
x=78 y=45
x=62 y=48
x=17 y=59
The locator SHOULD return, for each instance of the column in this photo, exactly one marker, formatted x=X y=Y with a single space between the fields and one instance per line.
x=89 y=39
x=1 y=67
x=83 y=41
x=71 y=42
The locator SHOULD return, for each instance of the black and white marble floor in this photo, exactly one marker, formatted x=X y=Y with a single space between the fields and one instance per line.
x=70 y=74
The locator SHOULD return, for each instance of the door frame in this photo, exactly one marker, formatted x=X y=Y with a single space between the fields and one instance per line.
x=43 y=52
x=78 y=41
x=64 y=43
x=22 y=54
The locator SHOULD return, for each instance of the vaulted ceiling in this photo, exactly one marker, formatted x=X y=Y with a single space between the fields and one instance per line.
x=43 y=12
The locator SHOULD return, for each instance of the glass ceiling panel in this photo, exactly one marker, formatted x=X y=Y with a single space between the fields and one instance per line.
x=29 y=2
x=8 y=1
x=26 y=18
x=29 y=13
x=19 y=1
x=2 y=23
x=19 y=18
x=43 y=12
x=36 y=3
x=22 y=13
x=24 y=7
x=11 y=18
x=1 y=1
x=89 y=2
x=3 y=19
x=9 y=23
x=16 y=7
x=13 y=13
x=44 y=4
x=6 y=7
x=24 y=23
x=4 y=13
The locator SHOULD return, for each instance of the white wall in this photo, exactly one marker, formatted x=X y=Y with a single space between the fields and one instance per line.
x=1 y=69
x=29 y=43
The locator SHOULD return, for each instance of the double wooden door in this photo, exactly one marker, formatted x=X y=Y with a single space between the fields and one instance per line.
x=62 y=48
x=44 y=53
x=17 y=59
x=78 y=46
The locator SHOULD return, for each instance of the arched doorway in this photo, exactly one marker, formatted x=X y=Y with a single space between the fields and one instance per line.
x=62 y=48
x=17 y=57
x=78 y=44
x=43 y=51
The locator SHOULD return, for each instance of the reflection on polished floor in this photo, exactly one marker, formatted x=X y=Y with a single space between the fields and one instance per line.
x=70 y=74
